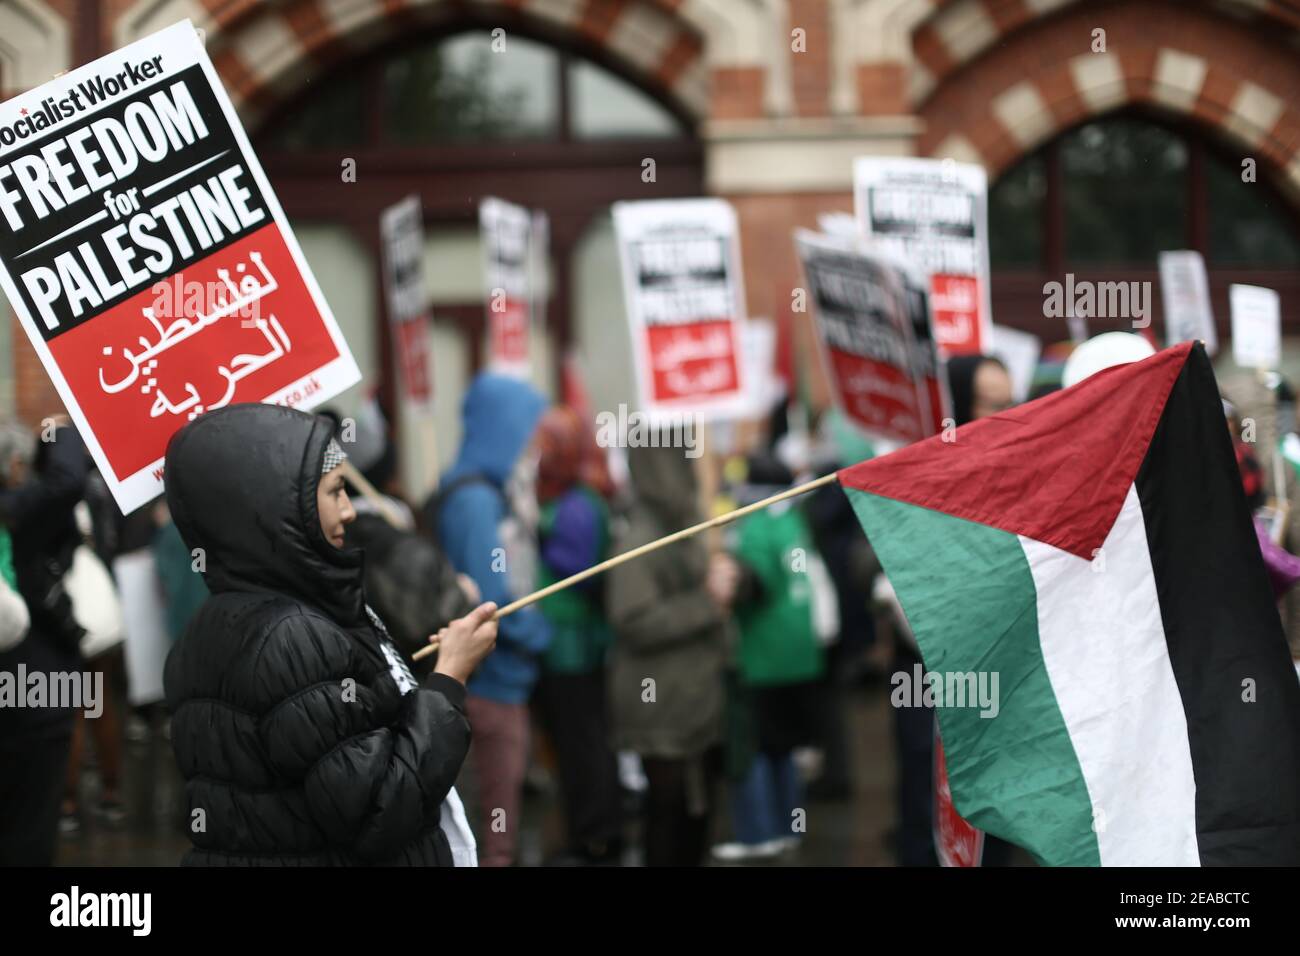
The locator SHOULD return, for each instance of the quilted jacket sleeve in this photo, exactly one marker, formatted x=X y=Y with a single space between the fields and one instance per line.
x=374 y=767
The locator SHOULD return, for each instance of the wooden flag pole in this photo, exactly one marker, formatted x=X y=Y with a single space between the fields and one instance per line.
x=707 y=476
x=613 y=562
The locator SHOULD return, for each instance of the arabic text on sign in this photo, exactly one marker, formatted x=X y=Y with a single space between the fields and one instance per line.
x=242 y=292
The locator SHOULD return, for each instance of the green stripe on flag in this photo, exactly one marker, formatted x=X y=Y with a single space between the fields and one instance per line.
x=970 y=599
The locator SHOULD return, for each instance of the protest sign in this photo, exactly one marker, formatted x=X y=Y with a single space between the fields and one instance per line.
x=401 y=229
x=929 y=375
x=956 y=842
x=1185 y=291
x=933 y=215
x=685 y=304
x=758 y=351
x=867 y=322
x=148 y=260
x=1256 y=326
x=842 y=225
x=508 y=268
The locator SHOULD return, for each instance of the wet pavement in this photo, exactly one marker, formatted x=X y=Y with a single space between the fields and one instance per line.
x=851 y=832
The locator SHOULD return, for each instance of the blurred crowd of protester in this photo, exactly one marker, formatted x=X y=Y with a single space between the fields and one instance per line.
x=708 y=674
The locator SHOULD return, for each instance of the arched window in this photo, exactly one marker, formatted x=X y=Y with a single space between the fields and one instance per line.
x=1117 y=191
x=1016 y=207
x=542 y=117
x=468 y=88
x=1124 y=191
x=460 y=90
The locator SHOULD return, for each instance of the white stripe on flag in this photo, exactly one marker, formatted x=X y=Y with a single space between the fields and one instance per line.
x=1104 y=648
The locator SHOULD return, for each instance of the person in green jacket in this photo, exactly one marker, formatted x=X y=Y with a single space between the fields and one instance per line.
x=780 y=660
x=14 y=619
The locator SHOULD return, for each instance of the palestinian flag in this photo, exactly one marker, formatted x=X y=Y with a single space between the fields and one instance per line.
x=1093 y=549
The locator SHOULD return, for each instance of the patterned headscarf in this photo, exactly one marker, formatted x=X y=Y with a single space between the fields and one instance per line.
x=334 y=456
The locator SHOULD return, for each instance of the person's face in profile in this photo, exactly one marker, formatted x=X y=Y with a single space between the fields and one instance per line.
x=14 y=472
x=334 y=506
x=992 y=391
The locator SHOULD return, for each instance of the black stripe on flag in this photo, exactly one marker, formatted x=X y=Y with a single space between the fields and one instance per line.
x=1223 y=631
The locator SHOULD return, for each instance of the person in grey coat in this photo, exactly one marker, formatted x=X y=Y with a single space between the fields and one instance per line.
x=668 y=613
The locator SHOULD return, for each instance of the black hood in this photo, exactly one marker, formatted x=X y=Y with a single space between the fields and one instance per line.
x=241 y=485
x=961 y=384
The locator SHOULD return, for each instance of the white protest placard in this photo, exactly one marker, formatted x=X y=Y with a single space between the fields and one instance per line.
x=508 y=268
x=1019 y=352
x=932 y=215
x=927 y=366
x=867 y=338
x=1256 y=326
x=148 y=259
x=1185 y=292
x=401 y=231
x=686 y=305
x=843 y=225
x=758 y=346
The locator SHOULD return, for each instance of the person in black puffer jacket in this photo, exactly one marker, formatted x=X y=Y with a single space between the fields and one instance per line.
x=301 y=734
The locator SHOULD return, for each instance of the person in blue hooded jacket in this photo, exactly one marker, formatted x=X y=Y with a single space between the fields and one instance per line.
x=485 y=514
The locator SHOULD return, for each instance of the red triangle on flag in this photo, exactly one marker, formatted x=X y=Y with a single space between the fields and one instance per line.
x=1056 y=470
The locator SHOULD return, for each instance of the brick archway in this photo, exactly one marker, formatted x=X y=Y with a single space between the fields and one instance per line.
x=269 y=55
x=1235 y=80
x=267 y=51
x=948 y=34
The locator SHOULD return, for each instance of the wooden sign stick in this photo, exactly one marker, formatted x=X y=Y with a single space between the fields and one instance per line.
x=614 y=562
